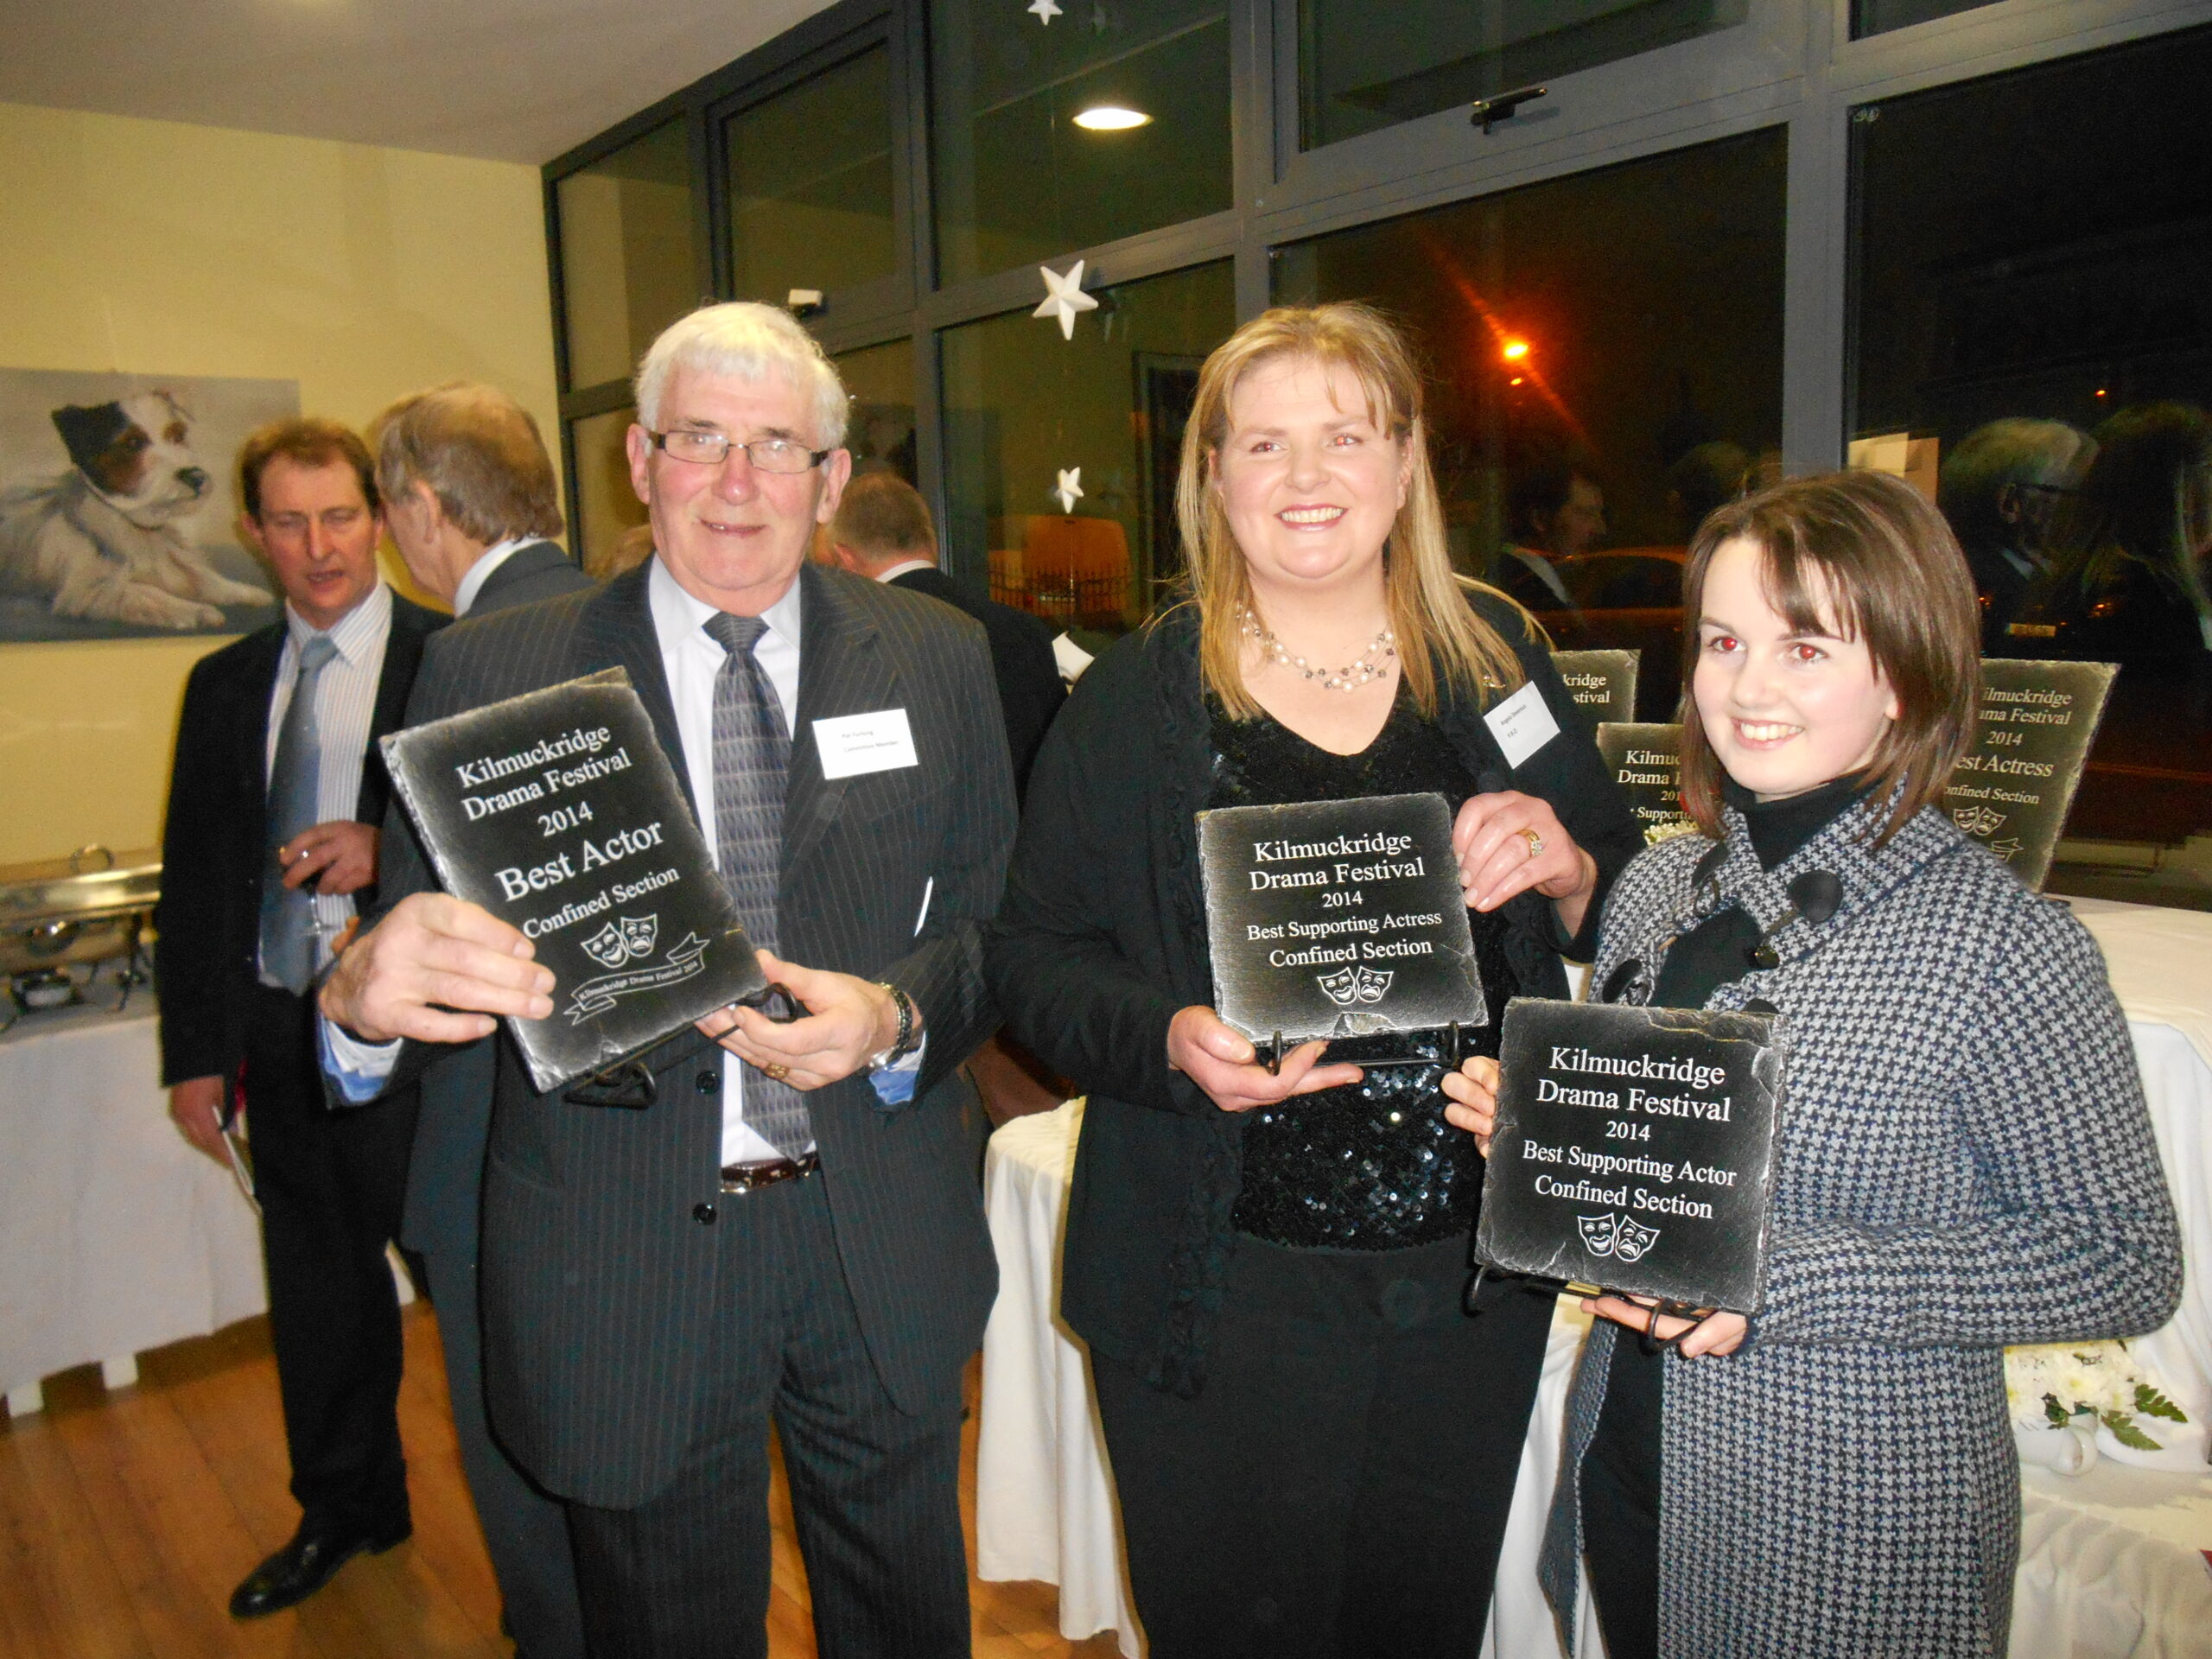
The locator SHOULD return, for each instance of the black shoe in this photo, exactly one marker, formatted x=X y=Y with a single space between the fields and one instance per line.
x=309 y=1562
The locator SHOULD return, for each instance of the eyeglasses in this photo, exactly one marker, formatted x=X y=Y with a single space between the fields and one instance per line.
x=712 y=448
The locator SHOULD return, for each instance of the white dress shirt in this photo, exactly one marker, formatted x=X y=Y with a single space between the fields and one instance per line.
x=473 y=581
x=345 y=709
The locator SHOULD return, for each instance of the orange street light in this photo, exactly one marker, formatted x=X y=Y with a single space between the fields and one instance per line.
x=1514 y=350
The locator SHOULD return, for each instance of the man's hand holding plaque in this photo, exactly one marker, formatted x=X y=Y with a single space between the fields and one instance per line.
x=848 y=1020
x=435 y=970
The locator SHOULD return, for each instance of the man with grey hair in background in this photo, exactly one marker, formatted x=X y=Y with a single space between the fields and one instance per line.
x=471 y=502
x=2000 y=488
x=757 y=1222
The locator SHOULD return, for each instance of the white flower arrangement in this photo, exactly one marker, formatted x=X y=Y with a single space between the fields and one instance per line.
x=2085 y=1385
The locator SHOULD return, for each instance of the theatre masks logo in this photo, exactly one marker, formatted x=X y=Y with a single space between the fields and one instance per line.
x=1348 y=986
x=1616 y=1236
x=624 y=940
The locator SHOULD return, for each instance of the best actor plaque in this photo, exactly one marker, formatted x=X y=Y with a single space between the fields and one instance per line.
x=1339 y=919
x=2013 y=788
x=1634 y=1150
x=557 y=812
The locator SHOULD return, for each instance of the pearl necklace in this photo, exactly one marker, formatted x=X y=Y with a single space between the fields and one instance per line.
x=1366 y=668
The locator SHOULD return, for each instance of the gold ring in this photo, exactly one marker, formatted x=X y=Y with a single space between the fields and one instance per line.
x=775 y=1071
x=1535 y=842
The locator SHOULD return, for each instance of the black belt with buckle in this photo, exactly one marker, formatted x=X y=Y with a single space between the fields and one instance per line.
x=751 y=1178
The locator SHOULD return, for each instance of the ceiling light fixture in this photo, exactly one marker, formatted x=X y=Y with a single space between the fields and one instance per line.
x=1111 y=118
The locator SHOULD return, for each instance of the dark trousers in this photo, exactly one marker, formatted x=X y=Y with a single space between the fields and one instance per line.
x=874 y=1492
x=330 y=1186
x=525 y=1531
x=1620 y=1502
x=1338 y=1489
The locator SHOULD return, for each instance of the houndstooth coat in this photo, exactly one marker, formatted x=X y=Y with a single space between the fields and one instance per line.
x=1965 y=1163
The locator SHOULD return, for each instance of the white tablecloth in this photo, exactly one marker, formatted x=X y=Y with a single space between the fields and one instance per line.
x=2112 y=1563
x=115 y=1235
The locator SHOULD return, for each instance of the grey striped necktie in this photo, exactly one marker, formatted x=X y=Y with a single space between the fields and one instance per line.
x=287 y=929
x=752 y=754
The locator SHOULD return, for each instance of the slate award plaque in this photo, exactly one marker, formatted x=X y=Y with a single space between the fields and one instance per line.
x=1341 y=920
x=1646 y=762
x=2014 y=787
x=1634 y=1150
x=557 y=812
x=1602 y=683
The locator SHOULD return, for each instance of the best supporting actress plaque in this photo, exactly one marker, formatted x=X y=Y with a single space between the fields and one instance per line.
x=1339 y=919
x=557 y=812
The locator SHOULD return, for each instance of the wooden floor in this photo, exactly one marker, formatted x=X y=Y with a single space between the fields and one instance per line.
x=127 y=1518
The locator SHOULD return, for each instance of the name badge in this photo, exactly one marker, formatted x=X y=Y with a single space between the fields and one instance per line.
x=852 y=744
x=1522 y=724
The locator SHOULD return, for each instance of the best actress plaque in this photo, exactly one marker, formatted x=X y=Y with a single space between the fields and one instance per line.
x=557 y=812
x=1634 y=1150
x=1339 y=919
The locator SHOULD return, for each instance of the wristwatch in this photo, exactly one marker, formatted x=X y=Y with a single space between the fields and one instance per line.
x=908 y=1038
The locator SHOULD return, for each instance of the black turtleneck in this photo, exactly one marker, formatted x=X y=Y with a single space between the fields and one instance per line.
x=1620 y=1474
x=1719 y=948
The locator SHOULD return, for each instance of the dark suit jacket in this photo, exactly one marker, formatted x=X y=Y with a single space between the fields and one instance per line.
x=1031 y=690
x=212 y=856
x=1103 y=938
x=446 y=1171
x=600 y=1280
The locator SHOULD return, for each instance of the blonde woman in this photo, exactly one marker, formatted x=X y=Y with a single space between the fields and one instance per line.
x=1314 y=1442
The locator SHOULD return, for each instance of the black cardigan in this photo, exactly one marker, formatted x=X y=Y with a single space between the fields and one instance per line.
x=1102 y=939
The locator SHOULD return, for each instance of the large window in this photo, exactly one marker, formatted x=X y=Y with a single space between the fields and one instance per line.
x=1606 y=366
x=1026 y=412
x=880 y=379
x=1735 y=240
x=810 y=189
x=2033 y=334
x=628 y=261
x=1362 y=66
x=1064 y=133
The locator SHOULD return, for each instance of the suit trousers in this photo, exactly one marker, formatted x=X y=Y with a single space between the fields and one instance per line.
x=331 y=1186
x=1338 y=1487
x=875 y=1491
x=525 y=1531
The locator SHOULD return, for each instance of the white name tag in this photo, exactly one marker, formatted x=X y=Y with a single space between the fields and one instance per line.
x=1522 y=724
x=852 y=744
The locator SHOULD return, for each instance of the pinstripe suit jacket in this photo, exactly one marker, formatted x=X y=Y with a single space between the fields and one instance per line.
x=600 y=1283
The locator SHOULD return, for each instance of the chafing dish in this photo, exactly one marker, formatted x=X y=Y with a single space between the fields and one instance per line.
x=79 y=912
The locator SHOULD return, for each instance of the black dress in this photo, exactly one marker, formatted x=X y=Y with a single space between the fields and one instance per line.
x=1351 y=1457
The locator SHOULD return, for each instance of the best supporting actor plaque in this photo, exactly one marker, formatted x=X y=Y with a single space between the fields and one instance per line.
x=1634 y=1150
x=1339 y=919
x=557 y=812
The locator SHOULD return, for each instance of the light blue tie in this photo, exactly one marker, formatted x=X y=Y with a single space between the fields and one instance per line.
x=287 y=929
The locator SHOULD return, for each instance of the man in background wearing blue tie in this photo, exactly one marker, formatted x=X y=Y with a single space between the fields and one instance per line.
x=271 y=840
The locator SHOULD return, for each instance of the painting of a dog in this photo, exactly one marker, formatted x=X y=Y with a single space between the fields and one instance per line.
x=131 y=532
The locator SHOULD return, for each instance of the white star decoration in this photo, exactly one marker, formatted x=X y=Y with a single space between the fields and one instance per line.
x=1070 y=488
x=1044 y=11
x=1064 y=297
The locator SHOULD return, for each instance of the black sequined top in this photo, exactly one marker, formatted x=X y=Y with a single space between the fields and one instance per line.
x=1373 y=1165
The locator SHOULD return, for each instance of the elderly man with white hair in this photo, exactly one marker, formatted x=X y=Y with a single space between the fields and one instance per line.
x=771 y=1223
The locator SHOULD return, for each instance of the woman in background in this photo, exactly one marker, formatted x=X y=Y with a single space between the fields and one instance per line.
x=1314 y=1444
x=1965 y=1161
